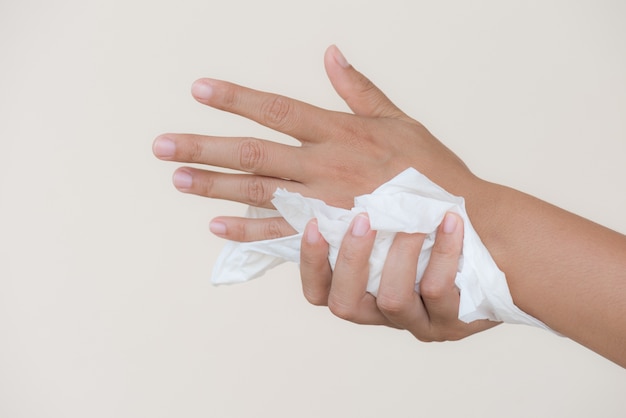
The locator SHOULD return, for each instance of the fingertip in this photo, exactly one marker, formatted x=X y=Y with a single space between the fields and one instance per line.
x=361 y=95
x=311 y=233
x=182 y=179
x=329 y=52
x=451 y=223
x=437 y=287
x=338 y=56
x=218 y=227
x=163 y=147
x=360 y=225
x=315 y=271
x=202 y=89
x=449 y=239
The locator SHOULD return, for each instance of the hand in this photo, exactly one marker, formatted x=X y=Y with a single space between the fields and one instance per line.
x=342 y=155
x=430 y=315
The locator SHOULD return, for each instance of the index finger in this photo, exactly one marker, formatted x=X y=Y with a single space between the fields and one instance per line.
x=300 y=120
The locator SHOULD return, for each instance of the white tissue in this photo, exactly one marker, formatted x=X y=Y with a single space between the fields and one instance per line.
x=410 y=203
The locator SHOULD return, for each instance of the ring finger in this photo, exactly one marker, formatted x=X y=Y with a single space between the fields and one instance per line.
x=252 y=155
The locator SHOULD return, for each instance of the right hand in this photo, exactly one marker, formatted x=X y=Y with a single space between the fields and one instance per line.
x=430 y=315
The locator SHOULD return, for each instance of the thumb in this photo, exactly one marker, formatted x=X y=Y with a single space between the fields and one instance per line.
x=361 y=95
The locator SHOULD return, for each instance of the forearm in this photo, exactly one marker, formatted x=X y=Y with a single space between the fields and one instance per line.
x=563 y=269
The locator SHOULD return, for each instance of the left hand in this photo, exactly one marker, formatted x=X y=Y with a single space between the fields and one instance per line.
x=342 y=155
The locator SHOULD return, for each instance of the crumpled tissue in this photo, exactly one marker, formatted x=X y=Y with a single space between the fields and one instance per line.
x=410 y=203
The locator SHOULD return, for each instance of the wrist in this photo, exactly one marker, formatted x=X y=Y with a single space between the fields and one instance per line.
x=487 y=205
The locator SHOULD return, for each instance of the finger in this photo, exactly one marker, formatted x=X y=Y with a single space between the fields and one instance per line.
x=247 y=229
x=439 y=293
x=244 y=188
x=348 y=298
x=397 y=298
x=361 y=95
x=315 y=270
x=300 y=120
x=251 y=155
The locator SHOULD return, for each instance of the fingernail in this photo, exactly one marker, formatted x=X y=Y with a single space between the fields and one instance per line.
x=217 y=227
x=312 y=233
x=339 y=58
x=163 y=147
x=449 y=223
x=361 y=225
x=182 y=179
x=201 y=90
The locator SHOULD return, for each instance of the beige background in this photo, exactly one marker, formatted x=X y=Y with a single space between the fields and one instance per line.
x=105 y=304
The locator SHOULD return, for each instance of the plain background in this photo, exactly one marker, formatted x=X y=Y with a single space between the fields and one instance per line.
x=105 y=304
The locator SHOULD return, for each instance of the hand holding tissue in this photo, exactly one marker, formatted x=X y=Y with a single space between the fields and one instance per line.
x=409 y=203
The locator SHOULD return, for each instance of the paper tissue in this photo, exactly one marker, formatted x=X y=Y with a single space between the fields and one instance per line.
x=410 y=203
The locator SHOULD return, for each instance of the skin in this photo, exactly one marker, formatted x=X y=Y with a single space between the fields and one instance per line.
x=562 y=269
x=430 y=315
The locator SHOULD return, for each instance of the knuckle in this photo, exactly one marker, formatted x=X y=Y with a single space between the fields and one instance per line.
x=252 y=154
x=366 y=86
x=455 y=337
x=429 y=335
x=342 y=309
x=393 y=305
x=255 y=191
x=208 y=186
x=315 y=296
x=435 y=339
x=407 y=246
x=432 y=290
x=349 y=257
x=439 y=334
x=445 y=249
x=194 y=151
x=352 y=257
x=228 y=97
x=424 y=338
x=306 y=258
x=276 y=111
x=239 y=232
x=272 y=229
